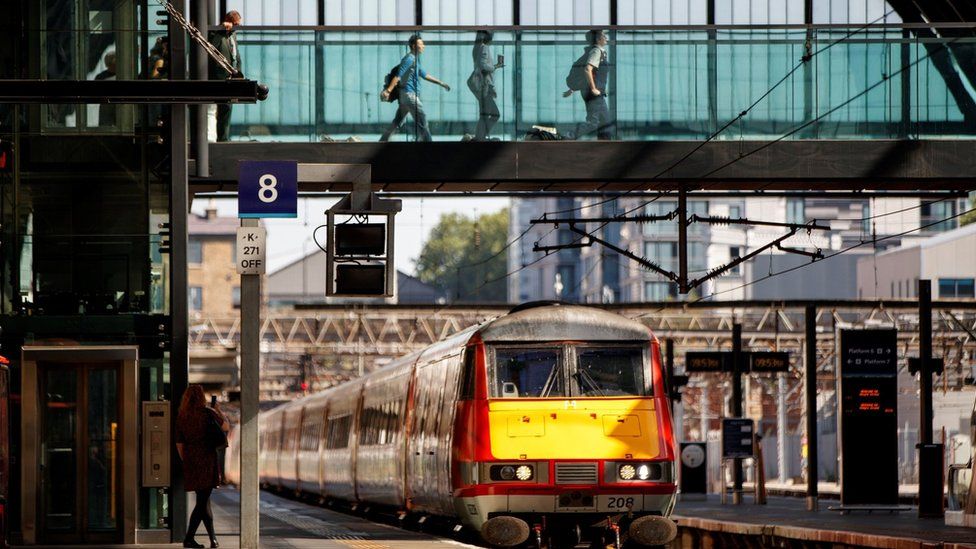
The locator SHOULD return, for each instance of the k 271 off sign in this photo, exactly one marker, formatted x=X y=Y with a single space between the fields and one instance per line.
x=251 y=250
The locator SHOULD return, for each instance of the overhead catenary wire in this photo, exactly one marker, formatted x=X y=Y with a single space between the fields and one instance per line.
x=836 y=253
x=803 y=60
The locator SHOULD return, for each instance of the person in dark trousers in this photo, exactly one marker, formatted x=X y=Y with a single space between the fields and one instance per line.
x=201 y=472
x=596 y=73
x=225 y=40
x=408 y=79
x=482 y=84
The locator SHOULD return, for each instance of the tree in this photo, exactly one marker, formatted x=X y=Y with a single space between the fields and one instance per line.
x=969 y=217
x=464 y=256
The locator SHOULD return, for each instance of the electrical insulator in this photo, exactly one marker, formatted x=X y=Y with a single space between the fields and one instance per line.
x=477 y=236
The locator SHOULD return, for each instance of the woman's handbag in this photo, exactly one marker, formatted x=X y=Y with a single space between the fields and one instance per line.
x=216 y=437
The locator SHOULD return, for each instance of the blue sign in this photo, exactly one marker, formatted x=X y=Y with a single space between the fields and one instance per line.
x=267 y=189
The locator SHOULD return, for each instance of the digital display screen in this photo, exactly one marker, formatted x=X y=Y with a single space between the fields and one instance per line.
x=365 y=280
x=868 y=393
x=360 y=239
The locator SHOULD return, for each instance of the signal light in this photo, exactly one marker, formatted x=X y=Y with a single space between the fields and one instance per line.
x=304 y=387
x=6 y=156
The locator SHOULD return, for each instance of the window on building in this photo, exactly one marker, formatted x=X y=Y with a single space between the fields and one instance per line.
x=933 y=214
x=235 y=296
x=660 y=291
x=665 y=254
x=282 y=12
x=735 y=211
x=642 y=12
x=956 y=287
x=194 y=251
x=565 y=12
x=657 y=228
x=195 y=296
x=761 y=12
x=481 y=12
x=795 y=210
x=735 y=252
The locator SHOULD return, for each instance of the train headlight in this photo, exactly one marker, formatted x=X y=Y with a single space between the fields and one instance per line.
x=507 y=472
x=643 y=471
x=627 y=472
x=523 y=473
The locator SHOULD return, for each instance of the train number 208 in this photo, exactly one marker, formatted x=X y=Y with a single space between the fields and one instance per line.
x=620 y=503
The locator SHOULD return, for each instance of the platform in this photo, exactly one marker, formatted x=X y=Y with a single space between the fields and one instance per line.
x=787 y=520
x=290 y=524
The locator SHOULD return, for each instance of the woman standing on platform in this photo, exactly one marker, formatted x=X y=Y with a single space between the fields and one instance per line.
x=197 y=427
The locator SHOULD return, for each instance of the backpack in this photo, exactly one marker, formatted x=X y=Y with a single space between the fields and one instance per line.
x=576 y=79
x=395 y=94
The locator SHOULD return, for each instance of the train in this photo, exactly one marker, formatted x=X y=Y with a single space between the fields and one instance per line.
x=545 y=426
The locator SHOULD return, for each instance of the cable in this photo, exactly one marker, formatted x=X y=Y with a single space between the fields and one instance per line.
x=806 y=58
x=836 y=253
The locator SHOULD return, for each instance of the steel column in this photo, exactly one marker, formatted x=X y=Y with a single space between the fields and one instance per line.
x=925 y=359
x=179 y=309
x=201 y=146
x=250 y=384
x=810 y=393
x=781 y=428
x=737 y=406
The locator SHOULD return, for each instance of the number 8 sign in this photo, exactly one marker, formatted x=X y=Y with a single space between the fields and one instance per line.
x=267 y=189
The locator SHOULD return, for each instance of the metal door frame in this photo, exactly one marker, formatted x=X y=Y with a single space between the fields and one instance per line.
x=128 y=390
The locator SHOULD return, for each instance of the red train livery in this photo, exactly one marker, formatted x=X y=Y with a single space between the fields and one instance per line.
x=547 y=424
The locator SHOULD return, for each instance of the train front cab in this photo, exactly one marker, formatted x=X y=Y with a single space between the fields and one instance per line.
x=565 y=434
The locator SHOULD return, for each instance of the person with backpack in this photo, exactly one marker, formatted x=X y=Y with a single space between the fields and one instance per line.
x=406 y=84
x=482 y=84
x=589 y=76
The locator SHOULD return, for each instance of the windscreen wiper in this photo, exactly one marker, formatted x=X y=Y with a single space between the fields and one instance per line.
x=585 y=376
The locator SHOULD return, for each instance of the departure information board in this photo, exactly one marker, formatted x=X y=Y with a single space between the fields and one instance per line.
x=868 y=394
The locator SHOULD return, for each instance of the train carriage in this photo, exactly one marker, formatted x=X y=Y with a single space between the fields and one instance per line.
x=542 y=424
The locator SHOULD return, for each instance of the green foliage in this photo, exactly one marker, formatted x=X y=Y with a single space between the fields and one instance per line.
x=970 y=217
x=458 y=252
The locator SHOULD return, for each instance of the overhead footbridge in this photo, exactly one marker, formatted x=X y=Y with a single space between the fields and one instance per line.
x=796 y=107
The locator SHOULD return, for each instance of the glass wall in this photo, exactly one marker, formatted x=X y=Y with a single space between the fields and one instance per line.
x=662 y=84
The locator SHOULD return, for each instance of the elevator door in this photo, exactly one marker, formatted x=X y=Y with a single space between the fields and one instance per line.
x=80 y=443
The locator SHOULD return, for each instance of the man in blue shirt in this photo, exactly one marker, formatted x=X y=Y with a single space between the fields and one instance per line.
x=408 y=78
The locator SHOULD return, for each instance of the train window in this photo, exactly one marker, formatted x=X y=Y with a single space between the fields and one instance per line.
x=338 y=432
x=468 y=374
x=610 y=371
x=527 y=373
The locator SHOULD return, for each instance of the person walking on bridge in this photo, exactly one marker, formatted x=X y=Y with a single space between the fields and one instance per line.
x=407 y=80
x=589 y=76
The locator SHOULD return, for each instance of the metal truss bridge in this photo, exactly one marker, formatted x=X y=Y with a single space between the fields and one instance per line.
x=329 y=343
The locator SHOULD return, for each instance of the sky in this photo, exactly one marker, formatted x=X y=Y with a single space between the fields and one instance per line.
x=289 y=239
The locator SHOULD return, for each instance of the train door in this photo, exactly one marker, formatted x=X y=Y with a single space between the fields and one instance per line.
x=79 y=460
x=424 y=455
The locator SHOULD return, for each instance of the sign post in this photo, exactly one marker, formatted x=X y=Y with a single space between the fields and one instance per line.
x=265 y=189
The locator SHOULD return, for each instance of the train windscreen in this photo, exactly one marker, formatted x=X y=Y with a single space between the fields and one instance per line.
x=528 y=373
x=610 y=371
x=590 y=371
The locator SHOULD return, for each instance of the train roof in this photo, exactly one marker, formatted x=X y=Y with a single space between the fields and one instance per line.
x=559 y=322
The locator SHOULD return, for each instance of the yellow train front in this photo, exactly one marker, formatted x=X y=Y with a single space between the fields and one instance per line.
x=569 y=432
x=545 y=425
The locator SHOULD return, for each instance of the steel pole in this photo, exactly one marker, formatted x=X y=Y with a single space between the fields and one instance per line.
x=179 y=307
x=737 y=406
x=783 y=461
x=925 y=359
x=201 y=146
x=250 y=381
x=810 y=393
